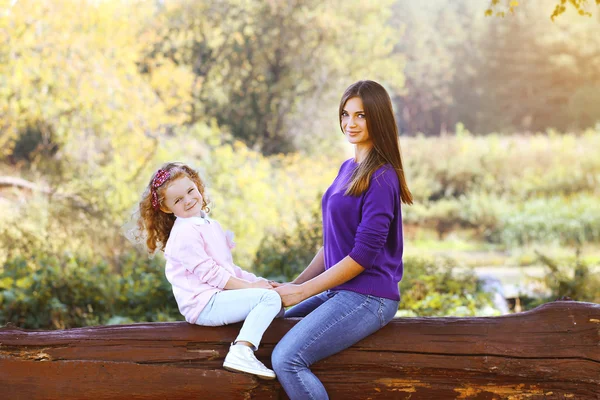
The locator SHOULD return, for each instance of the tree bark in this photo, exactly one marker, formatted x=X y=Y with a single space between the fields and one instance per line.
x=552 y=352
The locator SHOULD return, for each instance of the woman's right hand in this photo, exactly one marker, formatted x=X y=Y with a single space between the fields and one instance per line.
x=291 y=294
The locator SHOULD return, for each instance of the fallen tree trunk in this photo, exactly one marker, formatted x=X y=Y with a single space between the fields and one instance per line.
x=552 y=352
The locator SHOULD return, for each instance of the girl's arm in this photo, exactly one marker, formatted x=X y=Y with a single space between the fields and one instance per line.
x=245 y=275
x=315 y=268
x=341 y=272
x=238 y=283
x=188 y=251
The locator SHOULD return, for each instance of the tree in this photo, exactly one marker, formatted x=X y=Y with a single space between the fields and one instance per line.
x=438 y=43
x=269 y=70
x=76 y=116
x=502 y=8
x=532 y=74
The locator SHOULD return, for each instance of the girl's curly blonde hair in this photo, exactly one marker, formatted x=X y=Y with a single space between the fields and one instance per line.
x=153 y=222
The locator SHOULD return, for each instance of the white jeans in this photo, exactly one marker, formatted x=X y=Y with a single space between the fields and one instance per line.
x=256 y=307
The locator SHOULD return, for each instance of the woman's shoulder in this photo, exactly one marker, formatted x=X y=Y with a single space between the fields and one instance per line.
x=349 y=163
x=385 y=176
x=347 y=166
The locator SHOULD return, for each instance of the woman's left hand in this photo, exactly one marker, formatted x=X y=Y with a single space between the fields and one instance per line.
x=291 y=294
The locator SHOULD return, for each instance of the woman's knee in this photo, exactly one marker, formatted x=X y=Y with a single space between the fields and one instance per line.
x=286 y=355
x=279 y=357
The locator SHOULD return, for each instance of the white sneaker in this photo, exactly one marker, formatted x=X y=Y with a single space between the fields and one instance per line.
x=241 y=358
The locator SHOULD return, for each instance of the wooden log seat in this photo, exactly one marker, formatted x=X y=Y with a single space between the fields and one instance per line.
x=551 y=352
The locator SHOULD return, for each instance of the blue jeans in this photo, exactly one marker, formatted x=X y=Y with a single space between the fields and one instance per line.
x=333 y=321
x=256 y=307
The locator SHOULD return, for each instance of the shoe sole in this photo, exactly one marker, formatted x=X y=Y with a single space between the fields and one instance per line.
x=236 y=368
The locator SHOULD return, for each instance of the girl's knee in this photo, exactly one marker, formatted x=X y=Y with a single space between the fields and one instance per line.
x=272 y=297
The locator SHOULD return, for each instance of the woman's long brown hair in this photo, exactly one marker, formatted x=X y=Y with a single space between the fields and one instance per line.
x=383 y=131
x=157 y=224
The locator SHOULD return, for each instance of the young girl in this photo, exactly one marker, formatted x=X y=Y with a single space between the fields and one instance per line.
x=209 y=288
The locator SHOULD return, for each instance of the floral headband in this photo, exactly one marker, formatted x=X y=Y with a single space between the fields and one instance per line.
x=161 y=176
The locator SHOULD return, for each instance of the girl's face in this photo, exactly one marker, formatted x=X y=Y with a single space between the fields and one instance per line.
x=354 y=122
x=182 y=198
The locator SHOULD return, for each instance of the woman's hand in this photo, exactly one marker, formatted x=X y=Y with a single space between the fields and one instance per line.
x=275 y=284
x=291 y=294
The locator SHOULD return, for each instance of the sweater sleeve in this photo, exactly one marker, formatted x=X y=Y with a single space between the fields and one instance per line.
x=189 y=252
x=240 y=273
x=378 y=207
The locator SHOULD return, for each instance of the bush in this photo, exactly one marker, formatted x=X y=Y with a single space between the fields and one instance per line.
x=568 y=221
x=570 y=278
x=516 y=189
x=283 y=256
x=51 y=292
x=144 y=292
x=434 y=288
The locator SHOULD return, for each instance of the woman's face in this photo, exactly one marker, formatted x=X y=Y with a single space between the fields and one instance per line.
x=354 y=122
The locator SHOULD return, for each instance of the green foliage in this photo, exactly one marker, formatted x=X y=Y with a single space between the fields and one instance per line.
x=571 y=278
x=439 y=288
x=566 y=221
x=95 y=95
x=144 y=294
x=77 y=119
x=75 y=102
x=510 y=190
x=54 y=223
x=50 y=292
x=283 y=256
x=89 y=110
x=36 y=141
x=270 y=60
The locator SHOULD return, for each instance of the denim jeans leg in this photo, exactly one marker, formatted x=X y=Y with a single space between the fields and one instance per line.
x=307 y=306
x=344 y=319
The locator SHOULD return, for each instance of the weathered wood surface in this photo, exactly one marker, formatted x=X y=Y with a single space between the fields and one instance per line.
x=552 y=352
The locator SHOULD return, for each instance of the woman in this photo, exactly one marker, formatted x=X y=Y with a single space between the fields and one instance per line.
x=350 y=288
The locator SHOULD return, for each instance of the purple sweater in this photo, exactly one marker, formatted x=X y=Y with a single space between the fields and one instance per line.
x=368 y=228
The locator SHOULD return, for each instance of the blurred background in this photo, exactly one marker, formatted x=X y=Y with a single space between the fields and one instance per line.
x=500 y=134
